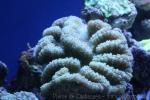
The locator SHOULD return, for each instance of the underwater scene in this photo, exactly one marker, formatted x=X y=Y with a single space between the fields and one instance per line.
x=75 y=50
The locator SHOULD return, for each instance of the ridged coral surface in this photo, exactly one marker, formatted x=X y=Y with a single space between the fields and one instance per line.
x=83 y=58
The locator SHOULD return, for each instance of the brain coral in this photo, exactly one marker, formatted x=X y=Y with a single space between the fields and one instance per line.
x=83 y=58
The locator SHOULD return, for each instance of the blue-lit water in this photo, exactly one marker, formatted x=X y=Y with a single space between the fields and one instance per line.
x=22 y=21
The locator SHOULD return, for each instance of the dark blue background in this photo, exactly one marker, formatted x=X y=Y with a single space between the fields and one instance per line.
x=22 y=21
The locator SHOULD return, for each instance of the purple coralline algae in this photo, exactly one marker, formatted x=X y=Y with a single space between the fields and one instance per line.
x=141 y=65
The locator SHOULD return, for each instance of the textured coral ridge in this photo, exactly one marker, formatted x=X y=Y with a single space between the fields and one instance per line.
x=83 y=58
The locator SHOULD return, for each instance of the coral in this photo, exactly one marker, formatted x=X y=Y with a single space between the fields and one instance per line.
x=3 y=72
x=146 y=25
x=130 y=40
x=142 y=4
x=148 y=96
x=141 y=27
x=22 y=95
x=91 y=58
x=129 y=95
x=141 y=74
x=46 y=49
x=146 y=44
x=83 y=58
x=28 y=75
x=108 y=10
x=119 y=13
x=144 y=96
x=141 y=66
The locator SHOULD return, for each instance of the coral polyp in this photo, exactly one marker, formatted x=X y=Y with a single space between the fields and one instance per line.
x=90 y=58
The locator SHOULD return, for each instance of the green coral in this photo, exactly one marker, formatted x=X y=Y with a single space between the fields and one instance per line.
x=146 y=44
x=110 y=7
x=96 y=58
